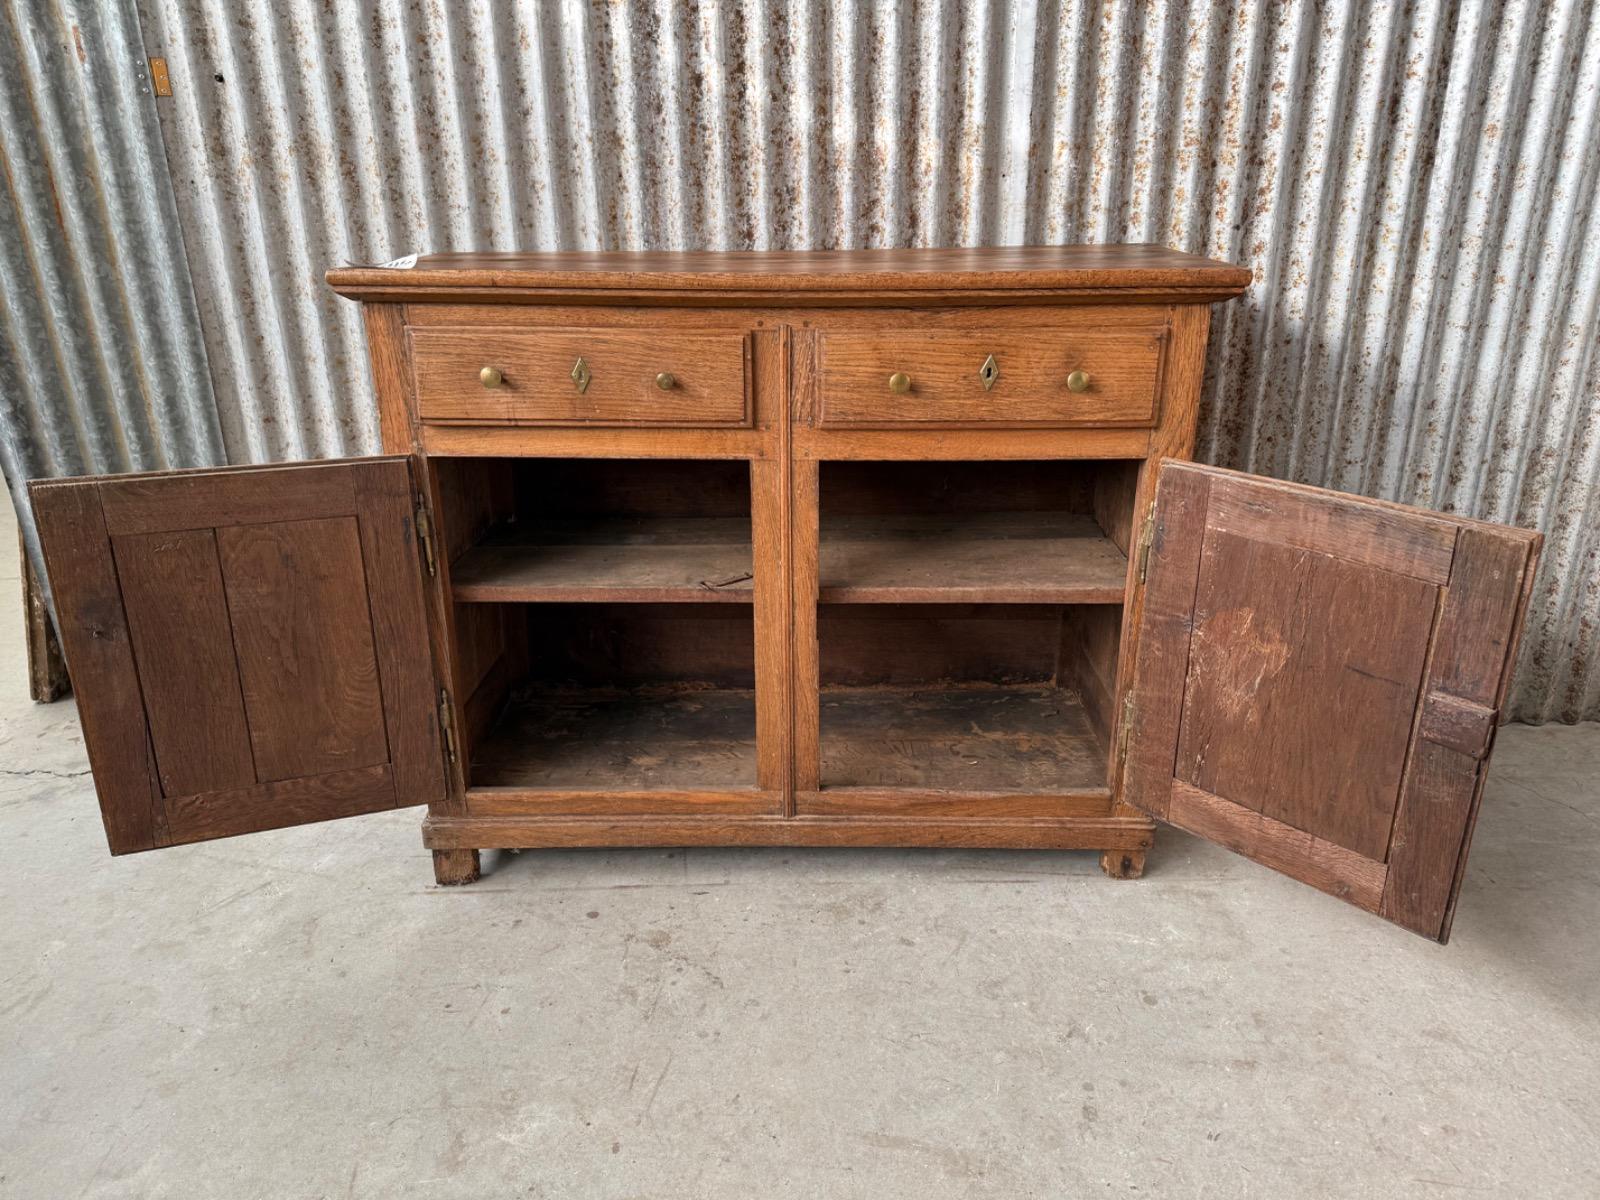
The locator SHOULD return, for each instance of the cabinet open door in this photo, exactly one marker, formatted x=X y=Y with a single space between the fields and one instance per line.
x=1317 y=682
x=248 y=646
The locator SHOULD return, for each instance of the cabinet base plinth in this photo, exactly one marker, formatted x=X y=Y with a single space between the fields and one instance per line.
x=1122 y=864
x=1120 y=836
x=451 y=868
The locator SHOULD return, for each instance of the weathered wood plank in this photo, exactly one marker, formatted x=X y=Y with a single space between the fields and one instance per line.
x=303 y=633
x=183 y=645
x=1477 y=629
x=284 y=802
x=981 y=558
x=1024 y=739
x=1287 y=850
x=99 y=650
x=1289 y=647
x=1414 y=543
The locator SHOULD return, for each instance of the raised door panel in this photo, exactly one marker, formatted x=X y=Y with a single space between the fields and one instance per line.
x=1318 y=680
x=248 y=647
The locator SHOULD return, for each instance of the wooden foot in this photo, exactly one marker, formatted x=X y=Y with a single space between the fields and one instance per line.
x=454 y=867
x=1122 y=864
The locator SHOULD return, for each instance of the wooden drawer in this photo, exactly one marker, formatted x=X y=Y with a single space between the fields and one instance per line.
x=1028 y=387
x=542 y=384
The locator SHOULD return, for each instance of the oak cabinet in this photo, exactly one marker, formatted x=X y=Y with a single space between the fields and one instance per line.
x=867 y=548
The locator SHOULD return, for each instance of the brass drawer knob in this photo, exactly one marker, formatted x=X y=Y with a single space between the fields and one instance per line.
x=666 y=381
x=491 y=377
x=1078 y=381
x=900 y=383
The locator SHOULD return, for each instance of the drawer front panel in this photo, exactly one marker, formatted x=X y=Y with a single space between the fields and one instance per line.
x=1028 y=378
x=540 y=381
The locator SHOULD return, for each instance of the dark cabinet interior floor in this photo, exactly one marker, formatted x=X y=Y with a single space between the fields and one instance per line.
x=655 y=738
x=1021 y=738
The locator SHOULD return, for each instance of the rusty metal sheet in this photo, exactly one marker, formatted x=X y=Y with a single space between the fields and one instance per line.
x=1414 y=185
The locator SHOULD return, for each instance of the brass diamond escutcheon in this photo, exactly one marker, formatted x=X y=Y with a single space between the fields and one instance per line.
x=989 y=372
x=581 y=375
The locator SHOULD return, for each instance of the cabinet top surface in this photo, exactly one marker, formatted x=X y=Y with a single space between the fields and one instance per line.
x=1107 y=269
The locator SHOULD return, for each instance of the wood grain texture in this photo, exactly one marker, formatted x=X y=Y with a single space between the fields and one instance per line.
x=1337 y=705
x=1018 y=833
x=634 y=559
x=455 y=868
x=277 y=618
x=391 y=376
x=232 y=496
x=398 y=615
x=99 y=651
x=1285 y=849
x=671 y=739
x=183 y=645
x=710 y=385
x=314 y=798
x=303 y=634
x=1166 y=623
x=639 y=645
x=1535 y=543
x=1087 y=664
x=774 y=605
x=1457 y=724
x=530 y=441
x=971 y=444
x=47 y=668
x=1025 y=739
x=872 y=276
x=611 y=801
x=1029 y=391
x=1287 y=647
x=1173 y=437
x=1477 y=630
x=1411 y=543
x=807 y=681
x=980 y=558
x=953 y=802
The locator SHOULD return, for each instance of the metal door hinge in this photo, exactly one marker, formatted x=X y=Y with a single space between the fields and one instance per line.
x=447 y=726
x=425 y=538
x=1146 y=533
x=1126 y=731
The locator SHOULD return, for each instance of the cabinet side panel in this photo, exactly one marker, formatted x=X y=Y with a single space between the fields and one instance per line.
x=386 y=348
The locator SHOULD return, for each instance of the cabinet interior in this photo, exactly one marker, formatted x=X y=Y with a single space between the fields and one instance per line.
x=603 y=622
x=969 y=621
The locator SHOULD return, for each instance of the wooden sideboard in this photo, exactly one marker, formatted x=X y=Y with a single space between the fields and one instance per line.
x=890 y=548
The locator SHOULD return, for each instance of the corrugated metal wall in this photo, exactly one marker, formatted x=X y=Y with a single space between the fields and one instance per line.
x=102 y=354
x=1415 y=185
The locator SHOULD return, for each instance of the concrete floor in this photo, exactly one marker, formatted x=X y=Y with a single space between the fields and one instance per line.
x=302 y=1014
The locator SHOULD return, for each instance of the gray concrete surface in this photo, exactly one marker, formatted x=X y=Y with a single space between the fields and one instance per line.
x=303 y=1014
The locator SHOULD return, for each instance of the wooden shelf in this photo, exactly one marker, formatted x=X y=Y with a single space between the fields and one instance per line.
x=978 y=738
x=622 y=559
x=976 y=558
x=624 y=741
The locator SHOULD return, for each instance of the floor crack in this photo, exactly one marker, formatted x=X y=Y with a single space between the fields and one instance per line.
x=43 y=771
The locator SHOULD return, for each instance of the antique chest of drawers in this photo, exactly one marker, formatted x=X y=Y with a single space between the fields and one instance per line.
x=864 y=548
